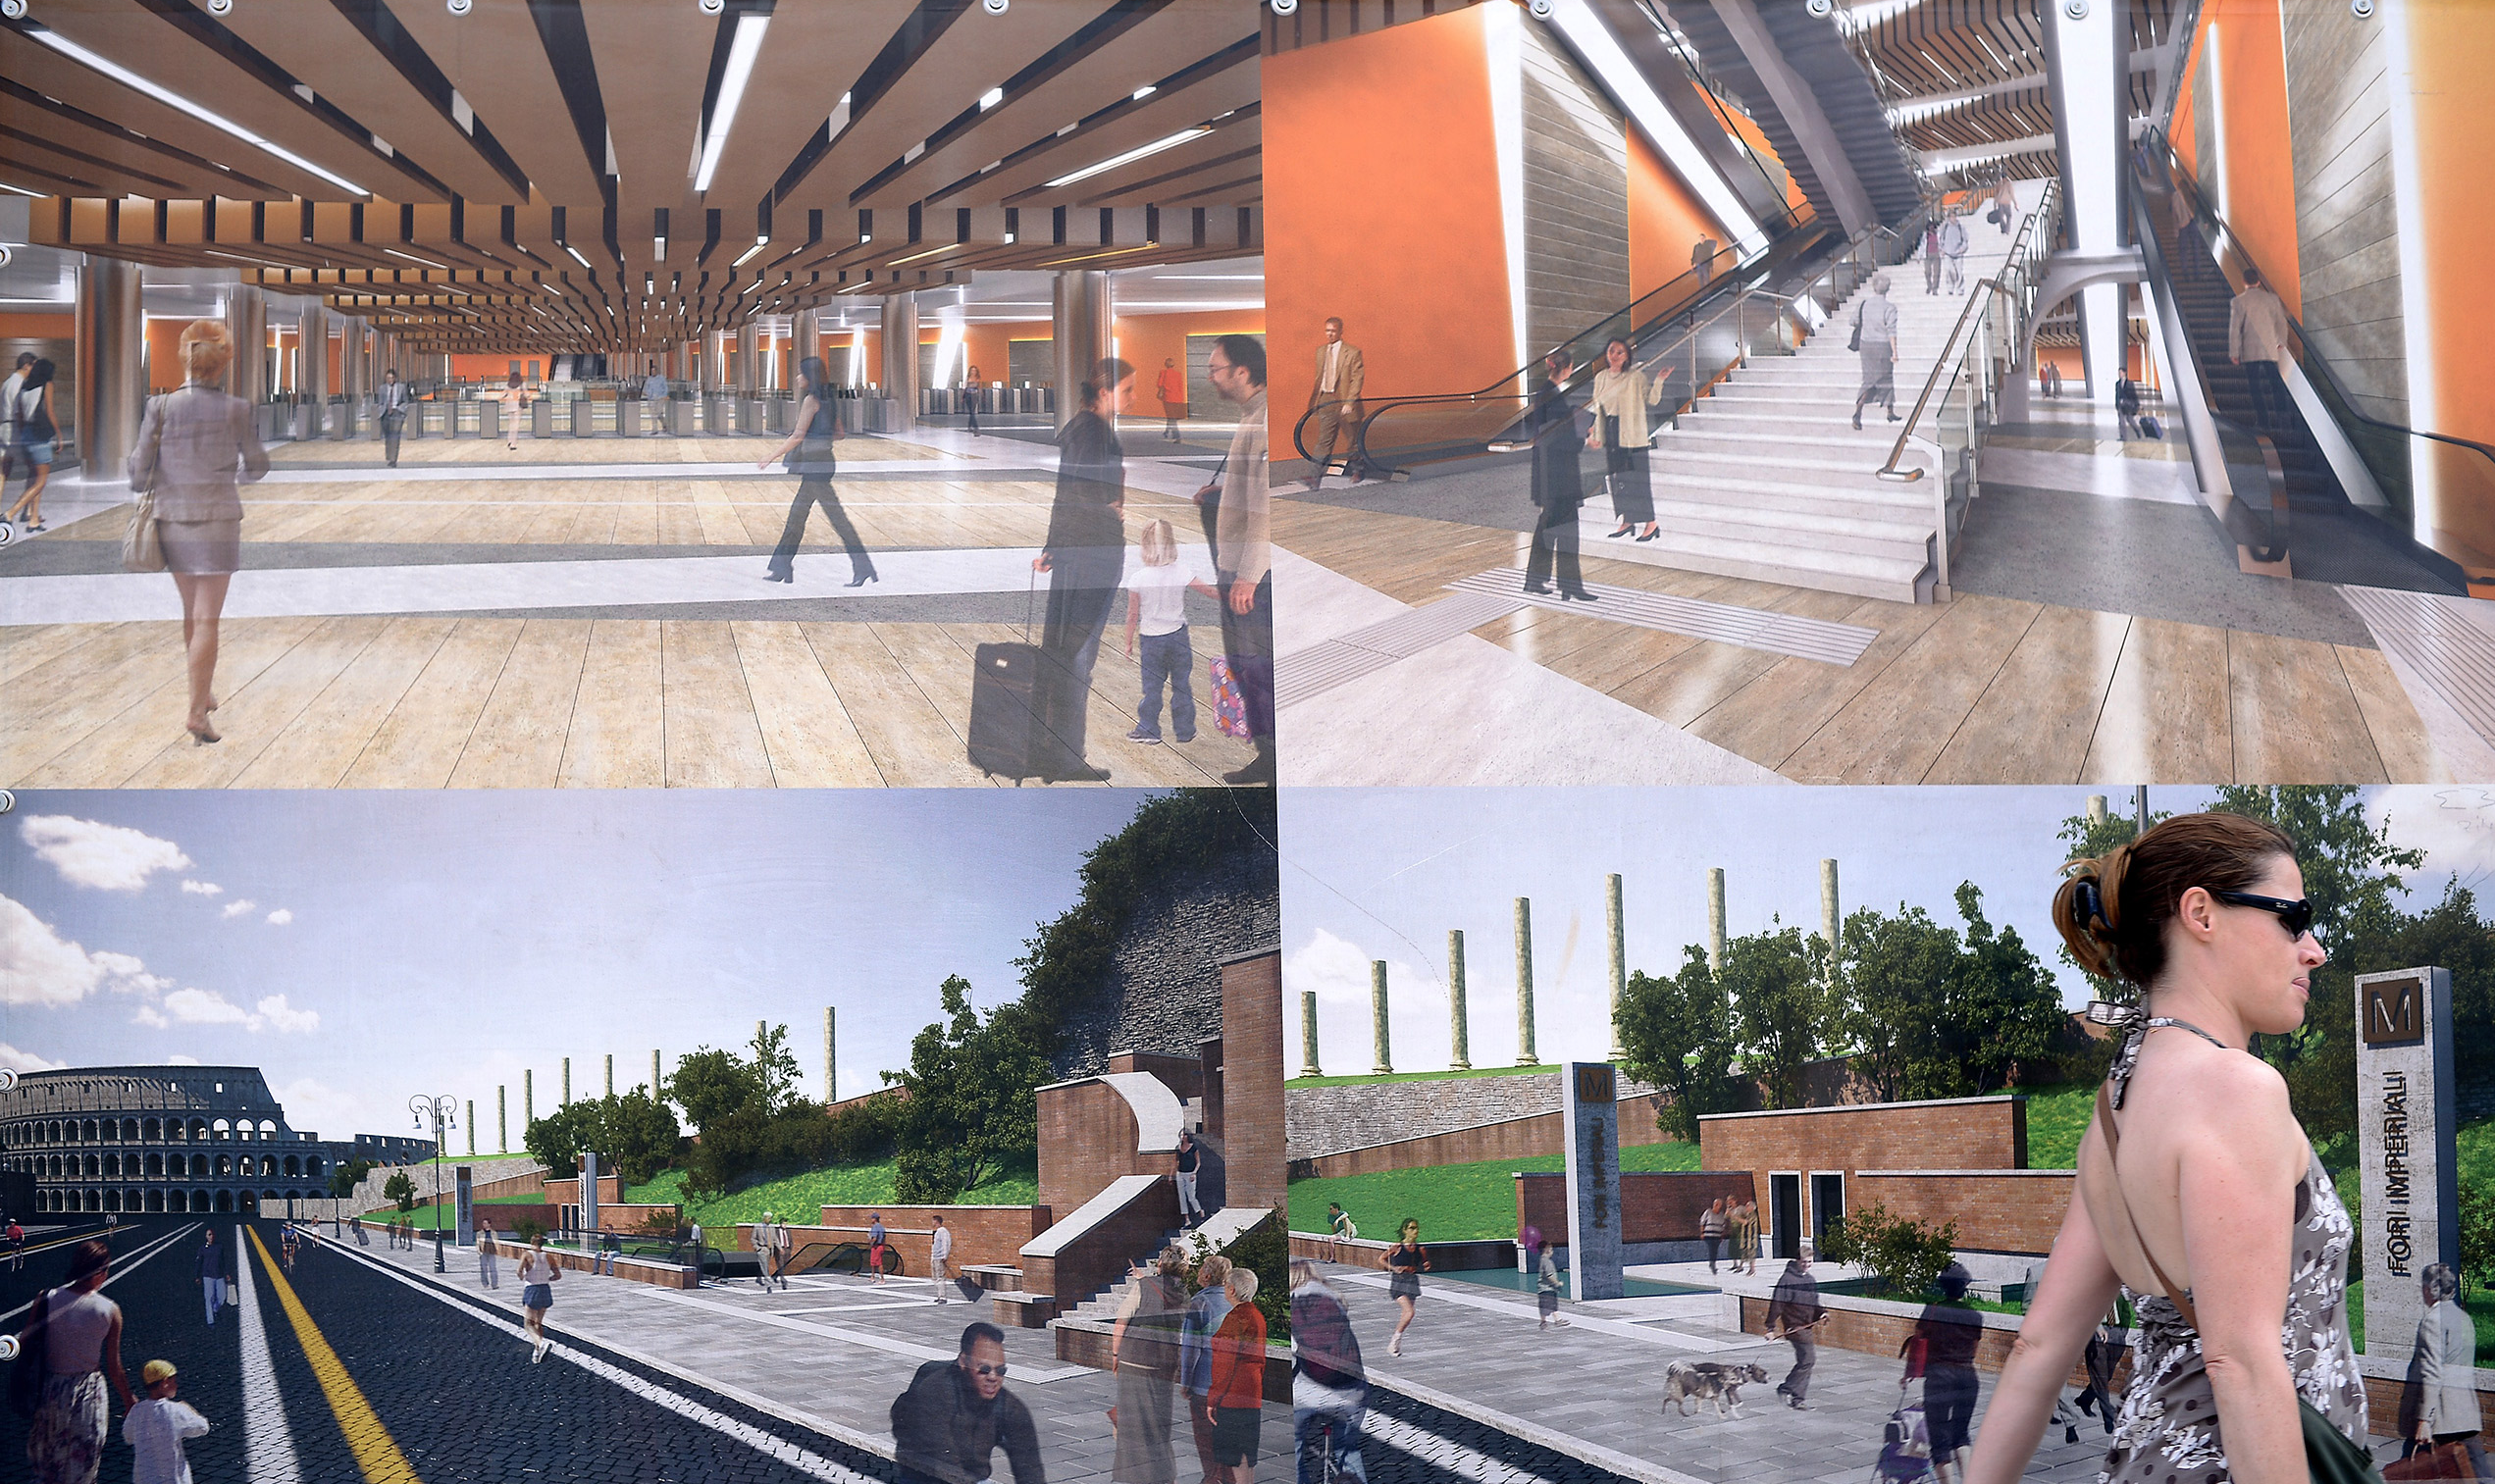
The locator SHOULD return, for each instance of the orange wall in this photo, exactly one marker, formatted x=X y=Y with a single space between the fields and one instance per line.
x=38 y=326
x=2450 y=42
x=1665 y=220
x=1148 y=340
x=1381 y=205
x=2260 y=201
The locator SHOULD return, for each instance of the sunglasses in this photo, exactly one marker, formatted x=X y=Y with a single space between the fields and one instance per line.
x=996 y=1371
x=2297 y=916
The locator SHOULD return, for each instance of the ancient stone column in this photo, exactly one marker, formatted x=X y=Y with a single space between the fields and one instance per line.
x=502 y=1118
x=1831 y=924
x=528 y=1099
x=567 y=1082
x=657 y=1083
x=1715 y=920
x=1525 y=984
x=831 y=1065
x=1308 y=1035
x=1378 y=1017
x=1458 y=1029
x=1619 y=957
x=610 y=1074
x=2095 y=809
x=472 y=1127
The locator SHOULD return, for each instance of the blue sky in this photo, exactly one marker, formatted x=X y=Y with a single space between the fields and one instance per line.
x=1371 y=874
x=364 y=947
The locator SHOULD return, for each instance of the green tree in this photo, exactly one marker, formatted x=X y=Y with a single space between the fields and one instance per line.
x=639 y=1133
x=1774 y=982
x=1678 y=1033
x=400 y=1189
x=1895 y=988
x=2004 y=1009
x=772 y=1068
x=558 y=1139
x=2088 y=839
x=347 y=1176
x=971 y=1107
x=710 y=1084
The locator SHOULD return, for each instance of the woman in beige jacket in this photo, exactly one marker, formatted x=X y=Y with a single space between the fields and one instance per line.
x=189 y=448
x=1622 y=395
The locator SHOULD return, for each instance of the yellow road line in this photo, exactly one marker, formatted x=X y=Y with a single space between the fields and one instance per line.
x=374 y=1452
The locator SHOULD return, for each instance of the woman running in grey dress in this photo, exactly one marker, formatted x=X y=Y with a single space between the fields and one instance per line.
x=2216 y=1198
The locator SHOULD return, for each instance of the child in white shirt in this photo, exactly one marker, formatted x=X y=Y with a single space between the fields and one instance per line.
x=1157 y=606
x=155 y=1428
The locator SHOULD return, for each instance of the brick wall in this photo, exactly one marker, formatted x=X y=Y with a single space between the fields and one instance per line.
x=1655 y=1205
x=610 y=1190
x=981 y=1234
x=1182 y=1075
x=1099 y=1259
x=1513 y=1138
x=1087 y=1140
x=1371 y=1115
x=1979 y=1134
x=1444 y=1257
x=506 y=1219
x=1885 y=1335
x=1252 y=1080
x=1997 y=1210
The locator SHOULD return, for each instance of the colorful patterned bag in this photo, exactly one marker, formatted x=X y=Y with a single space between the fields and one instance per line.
x=1230 y=707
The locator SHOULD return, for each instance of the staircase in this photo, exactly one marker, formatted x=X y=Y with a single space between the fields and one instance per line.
x=2330 y=537
x=1220 y=1228
x=1766 y=478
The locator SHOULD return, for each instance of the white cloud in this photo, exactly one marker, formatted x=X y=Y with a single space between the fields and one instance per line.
x=2454 y=827
x=27 y=1061
x=238 y=906
x=39 y=966
x=152 y=1017
x=202 y=888
x=314 y=1107
x=205 y=1007
x=282 y=1017
x=108 y=857
x=178 y=1060
x=281 y=916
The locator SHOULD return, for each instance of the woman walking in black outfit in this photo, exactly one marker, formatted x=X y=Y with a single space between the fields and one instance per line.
x=1405 y=1262
x=818 y=426
x=1947 y=1334
x=1086 y=558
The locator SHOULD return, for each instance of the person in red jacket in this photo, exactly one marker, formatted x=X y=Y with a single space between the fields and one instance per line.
x=1171 y=387
x=1236 y=1400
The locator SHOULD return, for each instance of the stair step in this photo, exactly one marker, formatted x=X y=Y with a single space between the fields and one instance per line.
x=1861 y=574
x=1894 y=539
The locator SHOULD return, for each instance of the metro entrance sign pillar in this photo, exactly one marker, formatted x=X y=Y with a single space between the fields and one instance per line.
x=1589 y=1110
x=2410 y=1166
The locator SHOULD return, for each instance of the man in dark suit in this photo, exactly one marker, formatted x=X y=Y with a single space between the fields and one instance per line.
x=1559 y=488
x=391 y=404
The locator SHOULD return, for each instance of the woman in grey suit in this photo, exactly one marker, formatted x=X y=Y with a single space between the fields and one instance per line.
x=1876 y=340
x=2444 y=1373
x=189 y=448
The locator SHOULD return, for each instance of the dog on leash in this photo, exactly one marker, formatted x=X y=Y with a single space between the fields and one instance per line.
x=1686 y=1381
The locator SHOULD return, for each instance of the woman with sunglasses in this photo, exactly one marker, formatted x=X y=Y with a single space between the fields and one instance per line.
x=2198 y=1194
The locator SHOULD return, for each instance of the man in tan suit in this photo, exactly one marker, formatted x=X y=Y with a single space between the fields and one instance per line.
x=1335 y=399
x=2257 y=341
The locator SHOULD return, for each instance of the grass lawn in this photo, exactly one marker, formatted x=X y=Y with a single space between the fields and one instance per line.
x=423 y=1214
x=2057 y=1115
x=1482 y=1072
x=1453 y=1201
x=799 y=1198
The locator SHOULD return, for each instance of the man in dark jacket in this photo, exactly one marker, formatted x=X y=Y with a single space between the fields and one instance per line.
x=1559 y=487
x=947 y=1426
x=212 y=1275
x=1329 y=1391
x=1793 y=1312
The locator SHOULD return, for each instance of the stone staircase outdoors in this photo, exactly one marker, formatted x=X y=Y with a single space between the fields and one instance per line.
x=1767 y=478
x=1220 y=1228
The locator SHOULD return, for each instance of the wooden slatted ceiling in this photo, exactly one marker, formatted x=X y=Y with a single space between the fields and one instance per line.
x=974 y=54
x=811 y=56
x=1224 y=168
x=1021 y=182
x=665 y=51
x=320 y=46
x=1185 y=32
x=497 y=60
x=170 y=56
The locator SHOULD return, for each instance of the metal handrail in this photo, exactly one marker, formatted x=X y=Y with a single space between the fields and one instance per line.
x=1944 y=371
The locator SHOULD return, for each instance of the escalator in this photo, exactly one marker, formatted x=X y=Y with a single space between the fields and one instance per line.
x=1691 y=331
x=2332 y=536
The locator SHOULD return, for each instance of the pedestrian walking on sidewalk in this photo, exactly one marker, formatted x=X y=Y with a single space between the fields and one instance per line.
x=876 y=1247
x=1203 y=1320
x=1746 y=1238
x=1190 y=1209
x=16 y=1248
x=538 y=1277
x=155 y=1428
x=212 y=1276
x=940 y=1257
x=1792 y=1312
x=1876 y=340
x=489 y=1257
x=1953 y=252
x=781 y=1245
x=1941 y=1350
x=1143 y=1354
x=1546 y=1288
x=1405 y=1262
x=79 y=1331
x=1711 y=1228
x=1329 y=1391
x=1237 y=1397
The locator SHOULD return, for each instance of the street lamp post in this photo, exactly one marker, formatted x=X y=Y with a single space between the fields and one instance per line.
x=443 y=1110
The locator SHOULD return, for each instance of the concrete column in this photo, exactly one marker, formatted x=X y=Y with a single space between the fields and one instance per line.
x=312 y=367
x=1525 y=984
x=1619 y=957
x=831 y=1045
x=808 y=329
x=1308 y=1035
x=247 y=321
x=610 y=1074
x=350 y=359
x=900 y=358
x=1377 y=1034
x=1457 y=1026
x=1081 y=336
x=1715 y=920
x=1832 y=925
x=567 y=1082
x=502 y=1118
x=472 y=1127
x=528 y=1099
x=108 y=396
x=749 y=358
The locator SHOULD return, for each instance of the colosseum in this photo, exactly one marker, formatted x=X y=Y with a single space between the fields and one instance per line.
x=179 y=1139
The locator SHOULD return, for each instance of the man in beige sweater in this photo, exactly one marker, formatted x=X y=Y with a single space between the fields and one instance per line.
x=1243 y=553
x=2257 y=341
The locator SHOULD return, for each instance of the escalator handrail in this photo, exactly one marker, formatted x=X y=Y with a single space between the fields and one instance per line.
x=1794 y=219
x=1739 y=296
x=1946 y=370
x=2312 y=360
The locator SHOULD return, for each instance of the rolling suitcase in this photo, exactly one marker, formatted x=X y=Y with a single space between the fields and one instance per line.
x=1004 y=729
